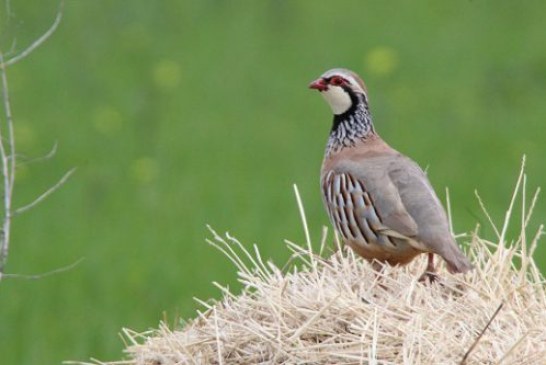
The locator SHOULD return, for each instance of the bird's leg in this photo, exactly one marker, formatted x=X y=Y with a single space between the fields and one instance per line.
x=429 y=274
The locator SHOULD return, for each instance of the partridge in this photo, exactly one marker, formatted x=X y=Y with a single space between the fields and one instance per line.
x=379 y=200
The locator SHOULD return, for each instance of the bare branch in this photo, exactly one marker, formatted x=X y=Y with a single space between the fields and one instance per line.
x=45 y=194
x=11 y=135
x=7 y=170
x=37 y=43
x=8 y=153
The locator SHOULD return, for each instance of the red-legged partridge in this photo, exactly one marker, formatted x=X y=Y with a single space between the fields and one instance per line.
x=379 y=200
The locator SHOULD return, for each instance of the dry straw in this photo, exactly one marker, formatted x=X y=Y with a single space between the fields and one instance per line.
x=338 y=310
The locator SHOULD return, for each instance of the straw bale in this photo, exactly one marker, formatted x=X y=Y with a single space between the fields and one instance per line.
x=335 y=309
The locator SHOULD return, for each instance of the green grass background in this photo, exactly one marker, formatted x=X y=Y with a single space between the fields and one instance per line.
x=183 y=113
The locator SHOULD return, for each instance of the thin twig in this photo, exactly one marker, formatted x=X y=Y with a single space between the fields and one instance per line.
x=6 y=169
x=37 y=43
x=52 y=152
x=43 y=275
x=465 y=357
x=45 y=194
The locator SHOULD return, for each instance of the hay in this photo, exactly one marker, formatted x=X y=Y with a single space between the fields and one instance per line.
x=338 y=310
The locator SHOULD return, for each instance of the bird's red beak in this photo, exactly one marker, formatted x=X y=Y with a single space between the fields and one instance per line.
x=319 y=84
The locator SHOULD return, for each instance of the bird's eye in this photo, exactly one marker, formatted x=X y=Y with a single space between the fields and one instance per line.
x=336 y=81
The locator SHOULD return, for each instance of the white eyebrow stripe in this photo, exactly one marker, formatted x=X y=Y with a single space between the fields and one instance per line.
x=354 y=83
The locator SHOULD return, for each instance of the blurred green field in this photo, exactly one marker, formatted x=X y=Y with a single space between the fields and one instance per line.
x=183 y=113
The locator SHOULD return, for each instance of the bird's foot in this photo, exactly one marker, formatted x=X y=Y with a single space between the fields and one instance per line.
x=429 y=277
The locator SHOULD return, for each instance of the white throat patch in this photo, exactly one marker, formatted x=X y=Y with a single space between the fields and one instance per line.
x=338 y=99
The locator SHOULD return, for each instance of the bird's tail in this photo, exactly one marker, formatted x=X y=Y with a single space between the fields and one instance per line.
x=456 y=260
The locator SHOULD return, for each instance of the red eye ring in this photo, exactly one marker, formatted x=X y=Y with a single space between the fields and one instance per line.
x=336 y=81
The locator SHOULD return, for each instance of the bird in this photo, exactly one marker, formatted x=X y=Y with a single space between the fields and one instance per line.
x=379 y=200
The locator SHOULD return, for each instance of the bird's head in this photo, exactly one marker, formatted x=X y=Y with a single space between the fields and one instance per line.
x=341 y=88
